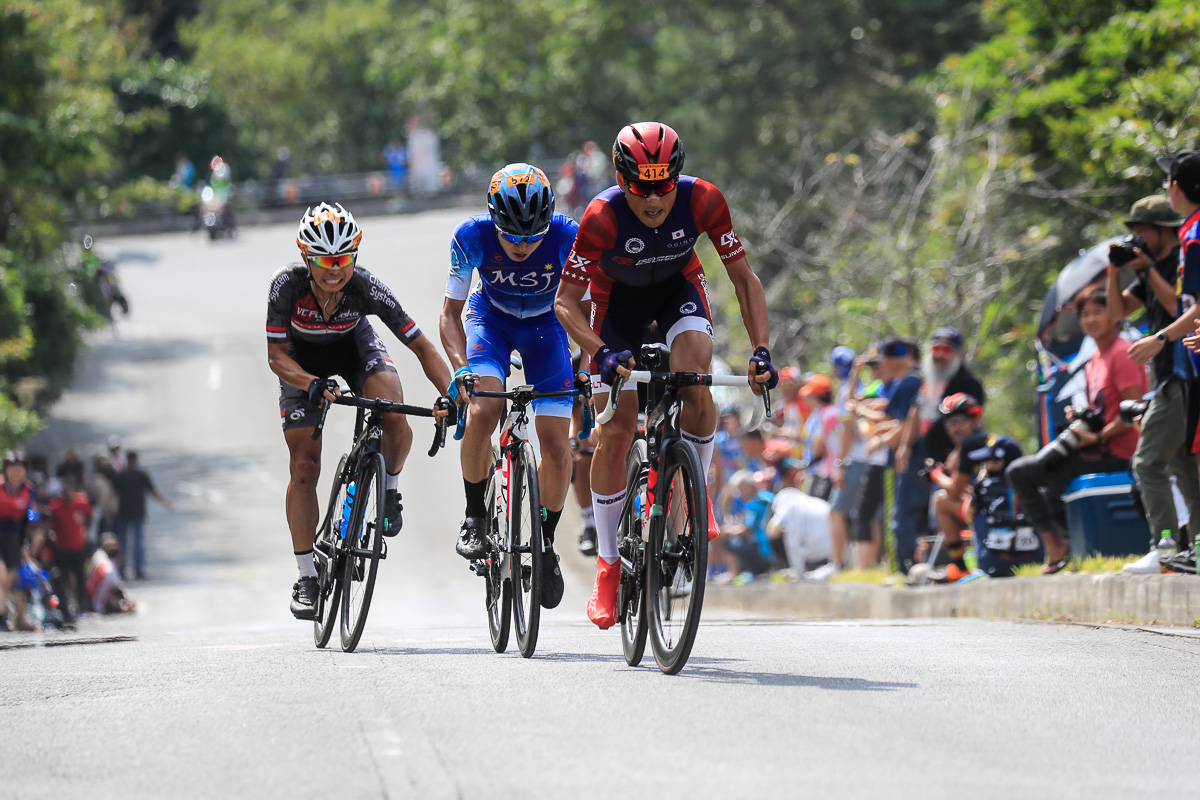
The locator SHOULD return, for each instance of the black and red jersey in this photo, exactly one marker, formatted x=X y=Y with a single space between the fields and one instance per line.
x=613 y=245
x=293 y=312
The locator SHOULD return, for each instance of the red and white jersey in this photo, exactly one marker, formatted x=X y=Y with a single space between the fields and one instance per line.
x=294 y=313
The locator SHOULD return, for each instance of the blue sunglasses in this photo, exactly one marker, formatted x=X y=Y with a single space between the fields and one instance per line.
x=514 y=239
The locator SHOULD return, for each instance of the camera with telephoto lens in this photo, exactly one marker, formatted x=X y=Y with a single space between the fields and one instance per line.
x=1132 y=409
x=1067 y=442
x=1122 y=253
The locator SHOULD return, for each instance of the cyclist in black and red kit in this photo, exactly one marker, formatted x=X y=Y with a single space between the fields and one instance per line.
x=635 y=248
x=316 y=328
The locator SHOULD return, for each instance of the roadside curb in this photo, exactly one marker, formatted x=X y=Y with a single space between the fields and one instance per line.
x=1107 y=597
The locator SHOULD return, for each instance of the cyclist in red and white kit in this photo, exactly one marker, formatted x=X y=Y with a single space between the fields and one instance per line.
x=636 y=251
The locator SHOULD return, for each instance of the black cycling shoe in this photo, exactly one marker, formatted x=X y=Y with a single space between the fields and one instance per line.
x=304 y=598
x=552 y=580
x=470 y=540
x=391 y=513
x=587 y=541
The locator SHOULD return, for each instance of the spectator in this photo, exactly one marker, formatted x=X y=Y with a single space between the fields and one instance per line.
x=751 y=459
x=910 y=516
x=185 y=173
x=70 y=468
x=744 y=548
x=871 y=424
x=1163 y=447
x=105 y=590
x=133 y=484
x=104 y=495
x=70 y=514
x=17 y=498
x=945 y=373
x=791 y=409
x=963 y=418
x=395 y=155
x=1112 y=376
x=821 y=448
x=1003 y=538
x=727 y=450
x=802 y=522
x=116 y=455
x=424 y=159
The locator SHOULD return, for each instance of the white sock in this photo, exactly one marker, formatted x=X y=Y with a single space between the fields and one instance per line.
x=607 y=508
x=588 y=517
x=704 y=448
x=393 y=481
x=304 y=563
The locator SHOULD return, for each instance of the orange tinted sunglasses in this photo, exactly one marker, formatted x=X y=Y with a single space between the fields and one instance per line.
x=333 y=262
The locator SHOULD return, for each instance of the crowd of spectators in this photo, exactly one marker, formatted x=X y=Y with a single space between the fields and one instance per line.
x=70 y=536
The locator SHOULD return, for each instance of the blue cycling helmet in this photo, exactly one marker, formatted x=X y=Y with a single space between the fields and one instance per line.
x=520 y=200
x=842 y=360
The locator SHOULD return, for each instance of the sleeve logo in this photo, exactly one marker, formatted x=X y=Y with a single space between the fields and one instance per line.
x=730 y=240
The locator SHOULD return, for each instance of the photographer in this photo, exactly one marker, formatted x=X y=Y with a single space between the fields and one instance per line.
x=1097 y=440
x=1163 y=448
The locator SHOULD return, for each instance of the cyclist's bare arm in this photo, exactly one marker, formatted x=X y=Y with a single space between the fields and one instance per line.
x=752 y=301
x=568 y=307
x=432 y=363
x=454 y=336
x=288 y=370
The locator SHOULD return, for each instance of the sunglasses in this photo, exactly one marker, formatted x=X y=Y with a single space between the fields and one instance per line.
x=333 y=262
x=513 y=238
x=647 y=188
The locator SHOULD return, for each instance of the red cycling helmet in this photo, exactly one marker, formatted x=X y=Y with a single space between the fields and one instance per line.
x=648 y=152
x=960 y=403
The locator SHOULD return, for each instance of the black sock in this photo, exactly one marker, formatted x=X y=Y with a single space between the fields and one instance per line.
x=956 y=555
x=476 y=507
x=549 y=523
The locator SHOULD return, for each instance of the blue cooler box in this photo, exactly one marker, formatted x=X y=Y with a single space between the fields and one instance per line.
x=1101 y=516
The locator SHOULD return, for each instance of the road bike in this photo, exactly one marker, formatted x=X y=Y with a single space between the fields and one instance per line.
x=662 y=534
x=512 y=567
x=349 y=543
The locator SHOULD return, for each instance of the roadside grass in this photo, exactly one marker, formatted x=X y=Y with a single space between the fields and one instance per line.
x=875 y=577
x=1089 y=564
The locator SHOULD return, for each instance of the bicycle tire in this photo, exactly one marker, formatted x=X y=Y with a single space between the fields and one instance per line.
x=364 y=533
x=633 y=583
x=498 y=594
x=329 y=573
x=677 y=557
x=526 y=546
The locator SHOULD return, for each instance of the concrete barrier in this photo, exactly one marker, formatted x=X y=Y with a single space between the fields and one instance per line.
x=1106 y=597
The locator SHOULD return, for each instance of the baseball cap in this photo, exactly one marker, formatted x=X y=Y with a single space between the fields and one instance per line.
x=948 y=335
x=895 y=348
x=842 y=360
x=14 y=457
x=789 y=375
x=1003 y=447
x=818 y=386
x=1154 y=210
x=1184 y=168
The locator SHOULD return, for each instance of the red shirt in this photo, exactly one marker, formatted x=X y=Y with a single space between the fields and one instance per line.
x=69 y=517
x=15 y=503
x=1109 y=373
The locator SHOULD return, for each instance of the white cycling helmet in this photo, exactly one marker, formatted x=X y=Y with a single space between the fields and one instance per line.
x=328 y=230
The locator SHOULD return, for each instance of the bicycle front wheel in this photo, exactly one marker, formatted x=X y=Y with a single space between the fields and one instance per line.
x=677 y=557
x=499 y=593
x=526 y=544
x=364 y=548
x=327 y=554
x=632 y=598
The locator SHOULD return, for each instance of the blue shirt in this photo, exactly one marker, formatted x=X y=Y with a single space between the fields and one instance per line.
x=519 y=289
x=903 y=396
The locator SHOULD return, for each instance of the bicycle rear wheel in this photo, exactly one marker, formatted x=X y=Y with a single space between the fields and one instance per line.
x=499 y=593
x=632 y=598
x=327 y=555
x=364 y=542
x=677 y=557
x=526 y=544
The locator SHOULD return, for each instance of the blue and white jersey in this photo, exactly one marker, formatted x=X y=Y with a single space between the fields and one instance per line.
x=519 y=289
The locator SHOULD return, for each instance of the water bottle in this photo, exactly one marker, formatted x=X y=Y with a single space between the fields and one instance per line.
x=1166 y=546
x=349 y=501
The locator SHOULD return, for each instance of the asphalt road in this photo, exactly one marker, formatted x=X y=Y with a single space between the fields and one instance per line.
x=212 y=689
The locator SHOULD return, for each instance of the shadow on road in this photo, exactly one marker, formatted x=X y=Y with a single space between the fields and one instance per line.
x=698 y=670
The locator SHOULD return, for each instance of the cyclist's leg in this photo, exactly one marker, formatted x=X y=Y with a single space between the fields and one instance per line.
x=547 y=358
x=489 y=349
x=376 y=378
x=684 y=315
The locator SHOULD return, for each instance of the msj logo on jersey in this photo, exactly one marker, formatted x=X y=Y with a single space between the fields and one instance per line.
x=536 y=281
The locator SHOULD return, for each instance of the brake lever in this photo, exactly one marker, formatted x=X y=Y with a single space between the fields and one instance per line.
x=439 y=428
x=589 y=407
x=325 y=404
x=613 y=393
x=460 y=426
